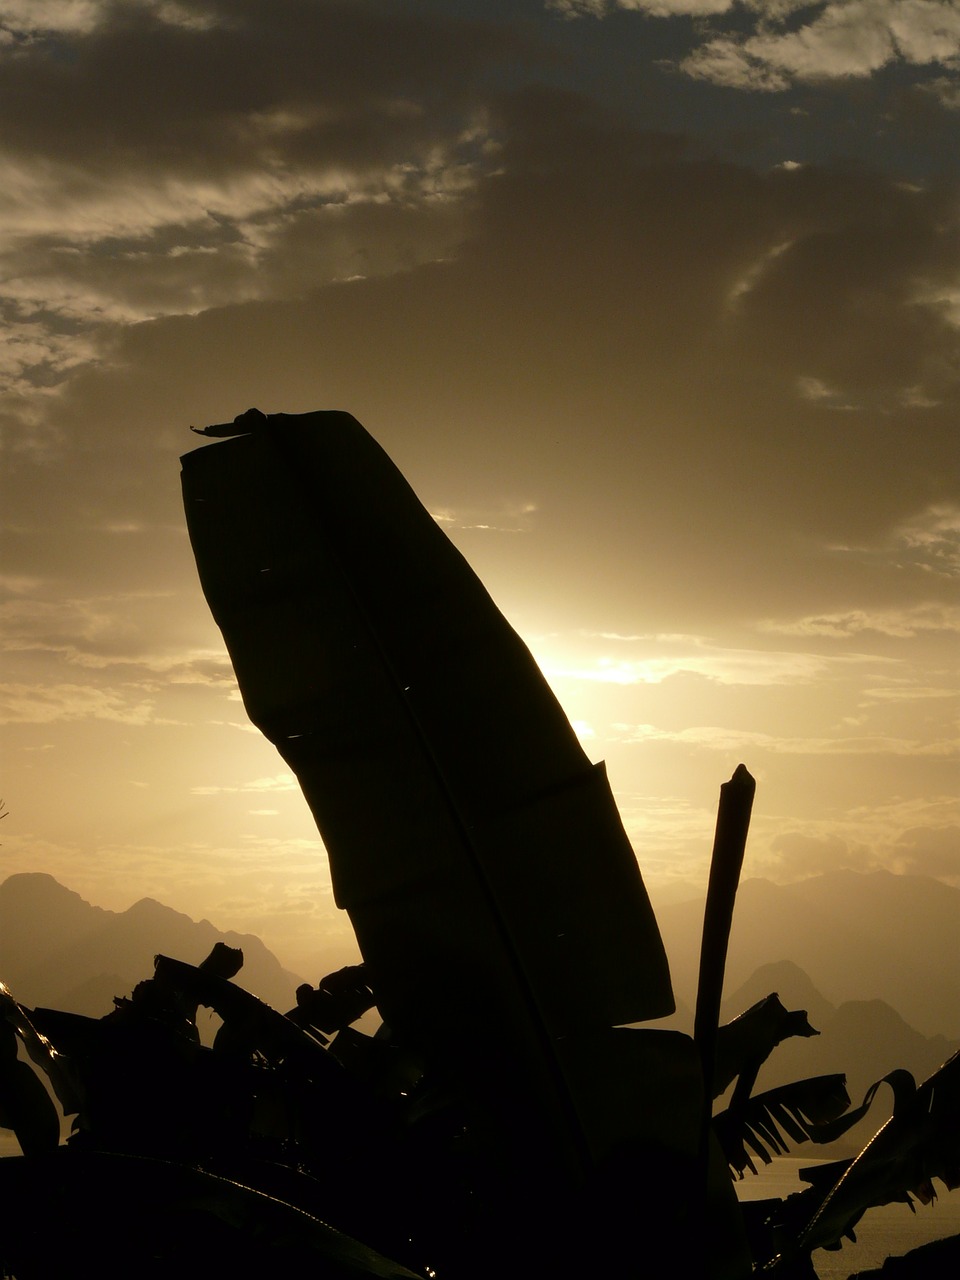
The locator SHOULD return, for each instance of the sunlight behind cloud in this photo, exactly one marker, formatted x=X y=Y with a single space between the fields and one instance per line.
x=279 y=782
x=695 y=343
x=694 y=655
x=510 y=518
x=713 y=738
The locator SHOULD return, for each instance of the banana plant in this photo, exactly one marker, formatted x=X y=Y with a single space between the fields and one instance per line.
x=919 y=1142
x=495 y=896
x=508 y=943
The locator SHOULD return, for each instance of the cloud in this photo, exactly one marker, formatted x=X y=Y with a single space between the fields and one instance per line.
x=35 y=17
x=18 y=584
x=851 y=297
x=718 y=738
x=903 y=623
x=655 y=8
x=278 y=782
x=932 y=539
x=837 y=278
x=606 y=390
x=803 y=854
x=926 y=543
x=511 y=518
x=35 y=353
x=36 y=704
x=931 y=851
x=132 y=630
x=698 y=656
x=261 y=86
x=861 y=841
x=94 y=628
x=135 y=184
x=839 y=40
x=945 y=90
x=728 y=385
x=909 y=691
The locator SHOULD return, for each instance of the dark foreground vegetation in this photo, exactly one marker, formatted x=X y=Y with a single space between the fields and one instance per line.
x=513 y=1117
x=299 y=1144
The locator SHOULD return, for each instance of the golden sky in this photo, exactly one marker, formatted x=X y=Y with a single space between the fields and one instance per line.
x=657 y=306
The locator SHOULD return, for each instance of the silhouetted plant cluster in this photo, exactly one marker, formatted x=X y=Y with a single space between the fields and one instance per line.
x=298 y=1140
x=510 y=1119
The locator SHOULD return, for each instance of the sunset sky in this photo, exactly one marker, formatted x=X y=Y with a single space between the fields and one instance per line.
x=656 y=303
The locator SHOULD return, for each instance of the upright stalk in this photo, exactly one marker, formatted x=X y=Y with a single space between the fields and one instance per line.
x=733 y=822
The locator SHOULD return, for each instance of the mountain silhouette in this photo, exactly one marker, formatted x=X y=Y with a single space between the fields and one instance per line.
x=862 y=1038
x=58 y=950
x=859 y=937
x=794 y=987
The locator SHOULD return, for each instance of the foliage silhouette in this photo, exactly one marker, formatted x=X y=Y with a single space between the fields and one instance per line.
x=264 y=1137
x=507 y=937
x=799 y=1111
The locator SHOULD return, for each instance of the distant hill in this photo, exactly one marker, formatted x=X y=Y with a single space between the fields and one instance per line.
x=859 y=937
x=864 y=1039
x=59 y=951
x=861 y=1039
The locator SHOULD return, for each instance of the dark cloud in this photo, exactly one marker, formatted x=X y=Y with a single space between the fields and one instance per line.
x=854 y=293
x=254 y=83
x=162 y=159
x=651 y=341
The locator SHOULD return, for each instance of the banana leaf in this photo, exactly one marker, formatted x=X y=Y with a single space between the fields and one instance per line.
x=41 y=1051
x=250 y=1019
x=339 y=1000
x=919 y=1142
x=433 y=753
x=768 y=1122
x=480 y=856
x=25 y=1106
x=745 y=1043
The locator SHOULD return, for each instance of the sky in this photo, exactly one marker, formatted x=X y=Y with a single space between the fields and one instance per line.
x=656 y=303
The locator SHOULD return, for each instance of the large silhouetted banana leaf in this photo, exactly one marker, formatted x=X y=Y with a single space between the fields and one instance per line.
x=437 y=761
x=480 y=855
